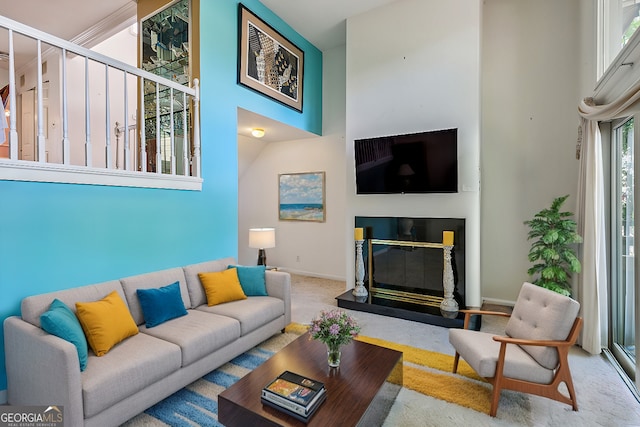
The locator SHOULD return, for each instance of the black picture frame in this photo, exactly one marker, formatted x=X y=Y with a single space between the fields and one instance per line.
x=268 y=63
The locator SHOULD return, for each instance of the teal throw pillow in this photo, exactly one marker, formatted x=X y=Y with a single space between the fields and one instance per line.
x=252 y=280
x=161 y=304
x=60 y=321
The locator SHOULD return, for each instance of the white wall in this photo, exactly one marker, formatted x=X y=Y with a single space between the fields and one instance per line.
x=510 y=84
x=415 y=66
x=532 y=71
x=309 y=248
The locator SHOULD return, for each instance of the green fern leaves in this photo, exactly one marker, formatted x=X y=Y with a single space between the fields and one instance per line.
x=552 y=253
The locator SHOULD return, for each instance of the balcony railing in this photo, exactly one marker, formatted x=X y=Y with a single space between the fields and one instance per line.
x=75 y=115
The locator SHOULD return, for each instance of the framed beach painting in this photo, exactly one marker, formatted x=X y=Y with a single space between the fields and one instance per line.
x=269 y=63
x=301 y=196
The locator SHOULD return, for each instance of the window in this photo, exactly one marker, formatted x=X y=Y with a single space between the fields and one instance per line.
x=622 y=298
x=618 y=21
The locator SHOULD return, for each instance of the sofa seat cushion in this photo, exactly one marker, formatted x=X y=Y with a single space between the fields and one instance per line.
x=252 y=312
x=197 y=334
x=480 y=351
x=126 y=369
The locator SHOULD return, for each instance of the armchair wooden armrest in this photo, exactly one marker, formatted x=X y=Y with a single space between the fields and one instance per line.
x=541 y=343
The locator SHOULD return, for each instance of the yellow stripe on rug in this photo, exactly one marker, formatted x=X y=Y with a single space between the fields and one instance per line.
x=450 y=388
x=432 y=359
x=418 y=356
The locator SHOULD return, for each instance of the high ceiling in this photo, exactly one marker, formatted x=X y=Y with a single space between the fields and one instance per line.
x=322 y=22
x=63 y=18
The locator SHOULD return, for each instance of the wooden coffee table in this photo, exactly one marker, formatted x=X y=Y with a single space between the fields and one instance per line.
x=358 y=392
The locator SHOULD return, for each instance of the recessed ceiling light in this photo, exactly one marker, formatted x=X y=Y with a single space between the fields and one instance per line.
x=257 y=132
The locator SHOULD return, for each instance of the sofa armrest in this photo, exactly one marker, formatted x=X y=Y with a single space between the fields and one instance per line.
x=42 y=369
x=279 y=286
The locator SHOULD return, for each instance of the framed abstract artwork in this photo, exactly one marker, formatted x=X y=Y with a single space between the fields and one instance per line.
x=301 y=197
x=267 y=62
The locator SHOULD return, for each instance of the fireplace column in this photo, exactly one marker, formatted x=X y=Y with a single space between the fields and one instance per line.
x=448 y=306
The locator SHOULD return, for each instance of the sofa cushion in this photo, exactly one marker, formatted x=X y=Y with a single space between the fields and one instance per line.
x=197 y=334
x=252 y=312
x=156 y=279
x=196 y=291
x=106 y=322
x=252 y=279
x=222 y=286
x=60 y=321
x=133 y=365
x=480 y=351
x=161 y=304
x=32 y=307
x=541 y=314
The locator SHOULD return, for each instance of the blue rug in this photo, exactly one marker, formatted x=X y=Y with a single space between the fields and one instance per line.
x=197 y=404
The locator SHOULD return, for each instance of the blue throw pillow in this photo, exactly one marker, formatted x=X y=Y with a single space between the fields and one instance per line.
x=60 y=321
x=161 y=304
x=252 y=280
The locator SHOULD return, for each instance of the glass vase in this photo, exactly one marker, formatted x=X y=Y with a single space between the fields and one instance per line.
x=333 y=355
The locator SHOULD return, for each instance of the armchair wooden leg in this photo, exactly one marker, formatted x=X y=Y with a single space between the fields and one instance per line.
x=455 y=362
x=495 y=399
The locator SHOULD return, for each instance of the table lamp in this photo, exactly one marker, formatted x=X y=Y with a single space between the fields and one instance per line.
x=261 y=239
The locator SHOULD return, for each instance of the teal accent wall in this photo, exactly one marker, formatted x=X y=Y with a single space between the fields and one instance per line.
x=57 y=236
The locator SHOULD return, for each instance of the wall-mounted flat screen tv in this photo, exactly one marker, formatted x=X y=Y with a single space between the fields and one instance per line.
x=425 y=162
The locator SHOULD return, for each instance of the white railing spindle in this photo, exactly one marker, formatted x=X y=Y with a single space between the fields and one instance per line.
x=40 y=123
x=66 y=149
x=87 y=119
x=196 y=127
x=13 y=132
x=158 y=137
x=172 y=134
x=185 y=137
x=143 y=134
x=107 y=148
x=127 y=154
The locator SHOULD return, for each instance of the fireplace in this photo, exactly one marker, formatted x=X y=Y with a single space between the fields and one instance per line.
x=404 y=272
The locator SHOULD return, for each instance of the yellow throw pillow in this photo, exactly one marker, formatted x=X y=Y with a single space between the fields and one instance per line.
x=222 y=286
x=105 y=322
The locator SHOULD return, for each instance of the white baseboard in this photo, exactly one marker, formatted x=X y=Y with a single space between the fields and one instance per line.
x=311 y=274
x=498 y=301
x=3 y=397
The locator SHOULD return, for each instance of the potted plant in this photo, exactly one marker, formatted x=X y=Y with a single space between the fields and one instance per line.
x=552 y=252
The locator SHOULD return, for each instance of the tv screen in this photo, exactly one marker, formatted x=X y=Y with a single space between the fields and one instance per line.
x=425 y=162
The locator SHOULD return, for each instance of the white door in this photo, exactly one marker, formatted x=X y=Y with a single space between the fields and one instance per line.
x=27 y=140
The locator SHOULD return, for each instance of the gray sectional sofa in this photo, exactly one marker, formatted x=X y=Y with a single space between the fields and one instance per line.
x=43 y=369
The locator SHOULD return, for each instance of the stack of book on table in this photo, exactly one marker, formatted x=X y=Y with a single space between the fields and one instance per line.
x=294 y=394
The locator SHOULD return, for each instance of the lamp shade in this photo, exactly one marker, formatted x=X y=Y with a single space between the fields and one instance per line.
x=262 y=238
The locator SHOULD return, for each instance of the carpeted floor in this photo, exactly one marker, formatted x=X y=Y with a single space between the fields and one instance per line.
x=603 y=398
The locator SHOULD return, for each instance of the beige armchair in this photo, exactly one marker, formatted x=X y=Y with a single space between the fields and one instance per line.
x=533 y=356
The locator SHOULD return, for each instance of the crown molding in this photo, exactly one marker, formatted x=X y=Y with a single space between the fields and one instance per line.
x=112 y=24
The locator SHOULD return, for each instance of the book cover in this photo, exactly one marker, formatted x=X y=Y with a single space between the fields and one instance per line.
x=295 y=388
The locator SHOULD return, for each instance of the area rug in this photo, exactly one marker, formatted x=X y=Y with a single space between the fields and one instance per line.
x=429 y=373
x=425 y=372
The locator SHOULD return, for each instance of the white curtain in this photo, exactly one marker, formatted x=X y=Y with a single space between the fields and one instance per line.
x=592 y=282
